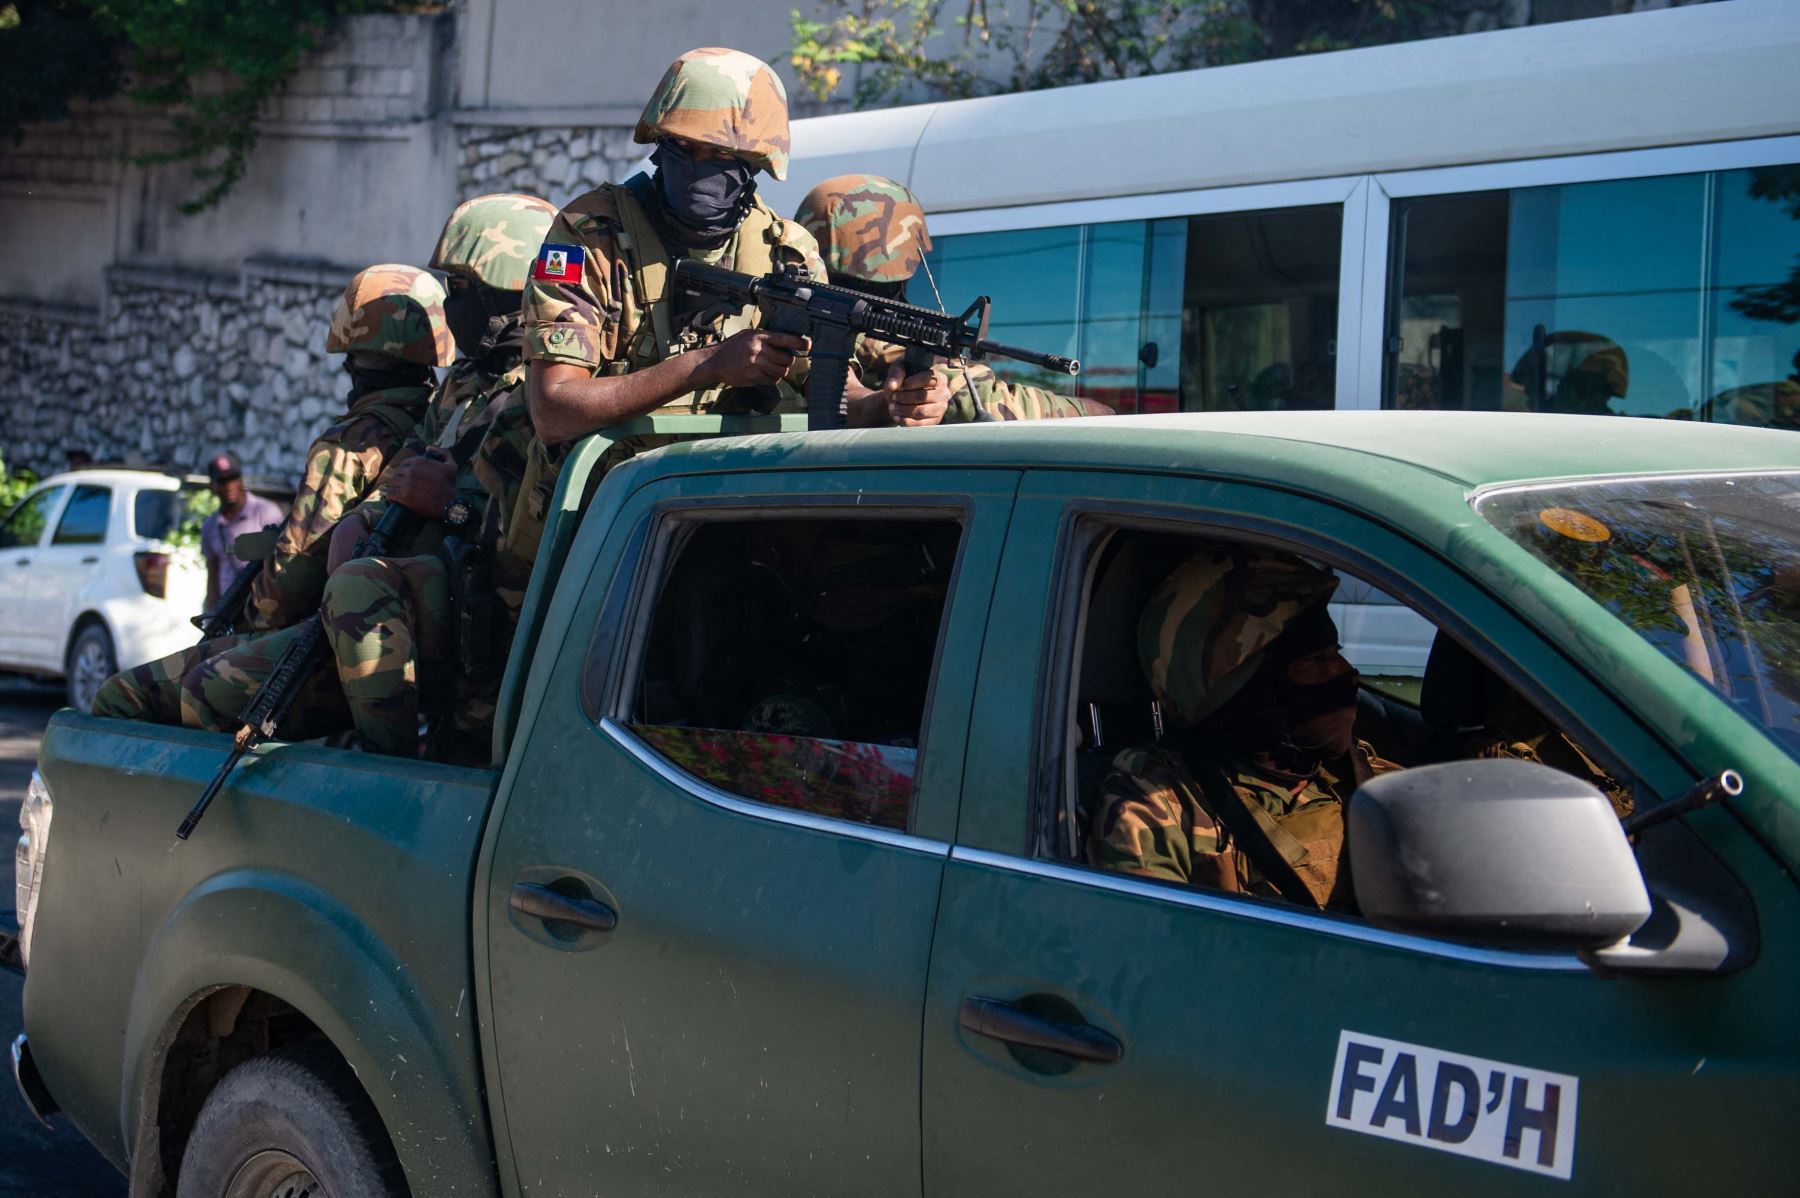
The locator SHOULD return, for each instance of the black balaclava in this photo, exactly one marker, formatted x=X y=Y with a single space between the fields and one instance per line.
x=895 y=290
x=378 y=372
x=1320 y=716
x=1286 y=730
x=485 y=324
x=704 y=199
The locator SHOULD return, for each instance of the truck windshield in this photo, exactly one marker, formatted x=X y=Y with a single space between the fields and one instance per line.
x=1704 y=567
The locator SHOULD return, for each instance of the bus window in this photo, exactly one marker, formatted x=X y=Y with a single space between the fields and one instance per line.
x=1203 y=313
x=1259 y=310
x=1674 y=296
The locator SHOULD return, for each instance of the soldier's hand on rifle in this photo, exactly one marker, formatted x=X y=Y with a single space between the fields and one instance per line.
x=753 y=358
x=916 y=400
x=424 y=485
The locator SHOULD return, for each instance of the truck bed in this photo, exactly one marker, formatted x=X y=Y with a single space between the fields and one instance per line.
x=337 y=883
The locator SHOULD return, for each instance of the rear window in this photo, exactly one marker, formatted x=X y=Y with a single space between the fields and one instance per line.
x=1704 y=567
x=172 y=515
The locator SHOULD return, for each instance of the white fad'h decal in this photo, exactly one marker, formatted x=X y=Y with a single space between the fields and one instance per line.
x=1492 y=1111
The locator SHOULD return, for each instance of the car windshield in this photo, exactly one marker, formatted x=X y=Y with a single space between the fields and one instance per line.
x=1704 y=567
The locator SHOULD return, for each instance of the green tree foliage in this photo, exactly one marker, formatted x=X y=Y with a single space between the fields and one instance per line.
x=208 y=65
x=1779 y=302
x=51 y=52
x=958 y=48
x=13 y=485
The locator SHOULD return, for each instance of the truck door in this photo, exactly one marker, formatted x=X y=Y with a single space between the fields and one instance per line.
x=1089 y=1033
x=21 y=534
x=68 y=563
x=711 y=893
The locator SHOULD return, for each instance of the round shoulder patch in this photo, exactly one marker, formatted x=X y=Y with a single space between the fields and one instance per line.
x=1577 y=526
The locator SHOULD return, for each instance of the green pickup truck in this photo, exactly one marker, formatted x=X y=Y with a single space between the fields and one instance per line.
x=778 y=882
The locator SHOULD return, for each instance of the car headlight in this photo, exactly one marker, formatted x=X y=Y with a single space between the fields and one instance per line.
x=28 y=858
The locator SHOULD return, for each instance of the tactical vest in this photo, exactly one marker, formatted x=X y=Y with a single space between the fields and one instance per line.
x=399 y=408
x=644 y=311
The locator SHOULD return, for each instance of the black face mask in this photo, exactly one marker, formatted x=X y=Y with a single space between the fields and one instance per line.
x=385 y=375
x=1320 y=716
x=707 y=198
x=481 y=319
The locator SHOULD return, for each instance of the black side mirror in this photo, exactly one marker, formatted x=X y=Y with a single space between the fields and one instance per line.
x=1500 y=851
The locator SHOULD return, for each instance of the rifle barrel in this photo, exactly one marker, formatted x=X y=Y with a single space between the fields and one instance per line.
x=192 y=819
x=1030 y=357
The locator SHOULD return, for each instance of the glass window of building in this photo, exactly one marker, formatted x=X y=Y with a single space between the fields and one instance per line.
x=1205 y=313
x=1676 y=296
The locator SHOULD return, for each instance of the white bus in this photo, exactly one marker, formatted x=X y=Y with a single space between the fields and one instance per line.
x=1395 y=226
x=1598 y=215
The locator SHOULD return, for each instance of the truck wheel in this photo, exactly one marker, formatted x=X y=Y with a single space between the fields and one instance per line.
x=91 y=662
x=290 y=1125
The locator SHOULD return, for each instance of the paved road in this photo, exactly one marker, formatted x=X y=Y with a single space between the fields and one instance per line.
x=54 y=1163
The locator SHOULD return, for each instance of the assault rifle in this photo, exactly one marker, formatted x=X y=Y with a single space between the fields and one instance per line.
x=224 y=616
x=791 y=302
x=292 y=669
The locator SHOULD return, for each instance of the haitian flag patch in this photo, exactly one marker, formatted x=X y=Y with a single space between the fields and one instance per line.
x=559 y=263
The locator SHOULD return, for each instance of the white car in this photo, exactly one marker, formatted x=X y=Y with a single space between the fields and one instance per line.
x=88 y=580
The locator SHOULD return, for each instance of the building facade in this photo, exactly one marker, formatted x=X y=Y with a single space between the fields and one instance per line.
x=143 y=335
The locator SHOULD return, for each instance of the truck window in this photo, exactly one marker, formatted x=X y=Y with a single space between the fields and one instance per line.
x=789 y=661
x=1182 y=696
x=1672 y=296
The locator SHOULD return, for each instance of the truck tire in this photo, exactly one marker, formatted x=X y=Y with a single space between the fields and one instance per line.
x=293 y=1124
x=91 y=661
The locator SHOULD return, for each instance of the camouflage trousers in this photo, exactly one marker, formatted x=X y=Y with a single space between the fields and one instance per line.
x=215 y=692
x=388 y=628
x=152 y=692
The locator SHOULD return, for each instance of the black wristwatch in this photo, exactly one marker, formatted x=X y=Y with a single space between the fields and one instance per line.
x=457 y=513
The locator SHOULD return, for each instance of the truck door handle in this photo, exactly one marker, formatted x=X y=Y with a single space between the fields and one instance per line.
x=1000 y=1020
x=541 y=902
x=21 y=561
x=90 y=561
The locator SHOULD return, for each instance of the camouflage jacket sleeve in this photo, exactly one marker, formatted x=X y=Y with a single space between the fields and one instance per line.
x=976 y=392
x=578 y=322
x=341 y=467
x=1149 y=820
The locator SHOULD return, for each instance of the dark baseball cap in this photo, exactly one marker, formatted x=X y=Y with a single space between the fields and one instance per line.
x=223 y=466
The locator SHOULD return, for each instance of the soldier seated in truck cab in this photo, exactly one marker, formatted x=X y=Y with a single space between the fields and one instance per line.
x=1245 y=790
x=1219 y=665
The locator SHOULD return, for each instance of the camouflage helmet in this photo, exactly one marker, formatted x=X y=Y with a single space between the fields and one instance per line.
x=869 y=228
x=1204 y=630
x=494 y=239
x=394 y=310
x=723 y=98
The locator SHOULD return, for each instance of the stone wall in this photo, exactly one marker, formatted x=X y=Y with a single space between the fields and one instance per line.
x=174 y=367
x=557 y=162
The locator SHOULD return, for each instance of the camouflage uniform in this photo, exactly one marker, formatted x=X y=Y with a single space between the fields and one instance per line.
x=618 y=316
x=872 y=230
x=388 y=618
x=152 y=691
x=1201 y=639
x=389 y=310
